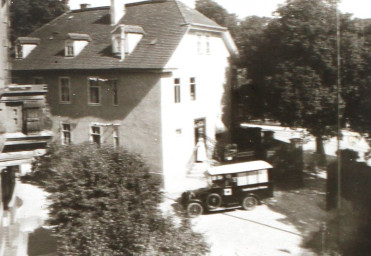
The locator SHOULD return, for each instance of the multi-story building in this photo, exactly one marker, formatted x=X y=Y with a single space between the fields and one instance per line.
x=152 y=76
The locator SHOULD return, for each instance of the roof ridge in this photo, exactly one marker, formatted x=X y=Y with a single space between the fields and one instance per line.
x=180 y=10
x=145 y=2
x=89 y=9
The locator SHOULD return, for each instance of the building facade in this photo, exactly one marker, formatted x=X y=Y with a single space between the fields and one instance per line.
x=152 y=77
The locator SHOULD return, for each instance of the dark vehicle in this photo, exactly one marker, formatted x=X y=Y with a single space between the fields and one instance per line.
x=230 y=186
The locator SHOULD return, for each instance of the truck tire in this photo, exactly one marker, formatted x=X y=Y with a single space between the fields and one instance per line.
x=213 y=201
x=194 y=209
x=249 y=203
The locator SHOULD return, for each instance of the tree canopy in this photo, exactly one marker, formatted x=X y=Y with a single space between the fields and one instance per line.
x=104 y=201
x=292 y=67
x=361 y=118
x=28 y=15
x=219 y=14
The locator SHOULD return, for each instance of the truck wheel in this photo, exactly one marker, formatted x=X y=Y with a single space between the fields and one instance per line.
x=194 y=209
x=213 y=201
x=249 y=203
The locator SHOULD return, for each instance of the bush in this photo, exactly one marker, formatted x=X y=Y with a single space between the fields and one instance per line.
x=103 y=200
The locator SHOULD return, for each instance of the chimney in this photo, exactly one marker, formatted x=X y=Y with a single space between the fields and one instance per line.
x=84 y=6
x=117 y=10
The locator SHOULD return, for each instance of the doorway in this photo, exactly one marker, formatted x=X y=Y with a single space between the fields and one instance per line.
x=200 y=129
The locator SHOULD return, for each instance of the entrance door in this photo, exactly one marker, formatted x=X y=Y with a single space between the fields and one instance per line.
x=200 y=132
x=200 y=140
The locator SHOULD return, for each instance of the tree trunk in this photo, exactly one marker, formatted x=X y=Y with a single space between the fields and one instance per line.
x=320 y=150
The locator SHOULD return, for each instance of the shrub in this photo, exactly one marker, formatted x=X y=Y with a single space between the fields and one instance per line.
x=103 y=200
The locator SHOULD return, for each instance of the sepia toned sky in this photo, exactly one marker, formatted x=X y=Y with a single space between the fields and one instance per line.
x=243 y=8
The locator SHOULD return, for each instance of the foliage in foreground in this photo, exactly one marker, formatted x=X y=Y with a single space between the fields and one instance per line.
x=105 y=201
x=349 y=231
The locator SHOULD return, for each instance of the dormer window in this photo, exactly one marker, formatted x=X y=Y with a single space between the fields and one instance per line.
x=25 y=45
x=69 y=49
x=125 y=38
x=116 y=44
x=75 y=43
x=19 y=51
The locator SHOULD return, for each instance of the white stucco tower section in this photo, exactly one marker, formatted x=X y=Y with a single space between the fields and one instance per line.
x=204 y=57
x=117 y=10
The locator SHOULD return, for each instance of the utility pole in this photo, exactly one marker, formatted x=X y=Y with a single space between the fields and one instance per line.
x=338 y=90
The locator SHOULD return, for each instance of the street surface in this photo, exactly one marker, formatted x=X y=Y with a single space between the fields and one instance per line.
x=257 y=232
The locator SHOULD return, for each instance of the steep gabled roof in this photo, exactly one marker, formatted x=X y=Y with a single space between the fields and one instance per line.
x=194 y=17
x=163 y=21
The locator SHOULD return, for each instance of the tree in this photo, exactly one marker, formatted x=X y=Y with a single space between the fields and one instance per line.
x=103 y=200
x=361 y=118
x=219 y=14
x=297 y=71
x=28 y=15
x=250 y=41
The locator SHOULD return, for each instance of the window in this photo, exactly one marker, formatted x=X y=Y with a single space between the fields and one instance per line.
x=38 y=80
x=207 y=45
x=192 y=81
x=66 y=134
x=115 y=135
x=94 y=91
x=64 y=89
x=69 y=51
x=95 y=134
x=253 y=177
x=115 y=98
x=177 y=90
x=116 y=41
x=199 y=44
x=19 y=51
x=203 y=44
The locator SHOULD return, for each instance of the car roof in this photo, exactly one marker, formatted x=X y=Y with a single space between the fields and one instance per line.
x=239 y=167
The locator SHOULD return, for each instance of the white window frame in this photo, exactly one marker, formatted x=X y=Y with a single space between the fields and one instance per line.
x=19 y=51
x=64 y=132
x=199 y=44
x=61 y=101
x=207 y=44
x=177 y=90
x=193 y=88
x=116 y=137
x=67 y=49
x=89 y=92
x=116 y=44
x=93 y=133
